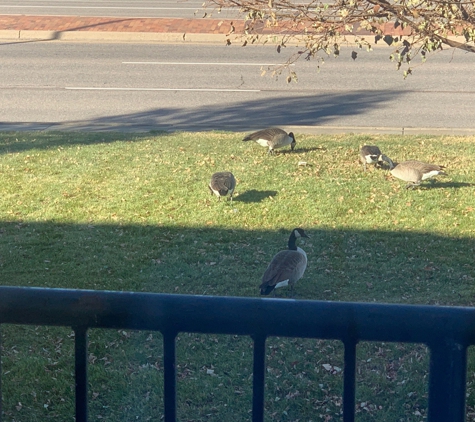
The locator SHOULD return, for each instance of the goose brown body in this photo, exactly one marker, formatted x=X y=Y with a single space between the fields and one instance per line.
x=414 y=171
x=286 y=267
x=222 y=183
x=273 y=138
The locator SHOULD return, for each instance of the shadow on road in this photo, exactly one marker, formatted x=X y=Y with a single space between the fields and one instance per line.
x=242 y=116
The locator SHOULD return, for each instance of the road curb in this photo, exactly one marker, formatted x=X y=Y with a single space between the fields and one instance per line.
x=164 y=37
x=80 y=126
x=159 y=37
x=10 y=34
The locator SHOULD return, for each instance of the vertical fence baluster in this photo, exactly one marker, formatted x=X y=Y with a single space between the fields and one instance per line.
x=447 y=381
x=258 y=378
x=349 y=384
x=1 y=395
x=80 y=360
x=169 y=364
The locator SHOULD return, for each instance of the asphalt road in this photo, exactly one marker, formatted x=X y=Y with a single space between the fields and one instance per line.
x=127 y=8
x=61 y=85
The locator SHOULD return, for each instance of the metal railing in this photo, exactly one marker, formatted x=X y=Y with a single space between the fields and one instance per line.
x=447 y=331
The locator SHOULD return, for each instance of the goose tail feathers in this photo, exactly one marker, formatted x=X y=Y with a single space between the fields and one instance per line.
x=266 y=290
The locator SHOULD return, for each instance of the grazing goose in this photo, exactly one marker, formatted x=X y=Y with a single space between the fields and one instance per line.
x=273 y=138
x=222 y=183
x=413 y=171
x=370 y=154
x=286 y=267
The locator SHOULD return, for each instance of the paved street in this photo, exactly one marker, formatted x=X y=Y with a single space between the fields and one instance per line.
x=136 y=8
x=156 y=73
x=61 y=85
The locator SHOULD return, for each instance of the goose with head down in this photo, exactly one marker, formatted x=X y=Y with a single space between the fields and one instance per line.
x=370 y=154
x=222 y=183
x=273 y=138
x=413 y=171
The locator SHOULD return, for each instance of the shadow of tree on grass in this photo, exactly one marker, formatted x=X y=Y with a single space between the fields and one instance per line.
x=172 y=259
x=403 y=267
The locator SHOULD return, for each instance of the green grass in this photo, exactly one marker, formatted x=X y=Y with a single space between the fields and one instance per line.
x=133 y=213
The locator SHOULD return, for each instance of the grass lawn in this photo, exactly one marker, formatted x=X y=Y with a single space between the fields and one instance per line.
x=134 y=213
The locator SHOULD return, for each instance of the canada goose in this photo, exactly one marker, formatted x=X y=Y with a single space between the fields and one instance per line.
x=273 y=138
x=222 y=183
x=370 y=154
x=286 y=267
x=413 y=171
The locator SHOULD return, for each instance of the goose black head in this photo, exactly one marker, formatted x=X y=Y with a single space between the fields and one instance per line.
x=391 y=163
x=293 y=143
x=298 y=232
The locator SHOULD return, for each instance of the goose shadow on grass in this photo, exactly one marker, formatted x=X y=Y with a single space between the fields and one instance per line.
x=298 y=150
x=444 y=185
x=254 y=195
x=309 y=149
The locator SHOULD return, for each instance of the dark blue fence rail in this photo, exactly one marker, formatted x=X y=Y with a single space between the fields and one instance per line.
x=447 y=331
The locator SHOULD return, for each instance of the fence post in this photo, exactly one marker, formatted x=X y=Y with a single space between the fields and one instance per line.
x=258 y=378
x=349 y=384
x=1 y=395
x=80 y=360
x=169 y=375
x=447 y=381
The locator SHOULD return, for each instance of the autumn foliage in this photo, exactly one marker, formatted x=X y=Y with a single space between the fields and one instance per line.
x=412 y=27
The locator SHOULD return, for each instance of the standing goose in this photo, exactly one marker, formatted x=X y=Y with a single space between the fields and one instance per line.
x=222 y=183
x=286 y=267
x=413 y=171
x=370 y=154
x=273 y=138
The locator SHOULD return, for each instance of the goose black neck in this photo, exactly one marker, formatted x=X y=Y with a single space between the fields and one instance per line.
x=292 y=242
x=391 y=163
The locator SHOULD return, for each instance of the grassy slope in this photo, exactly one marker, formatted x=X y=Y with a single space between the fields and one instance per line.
x=122 y=212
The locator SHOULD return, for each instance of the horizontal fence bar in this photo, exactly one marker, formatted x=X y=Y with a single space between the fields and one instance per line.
x=185 y=313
